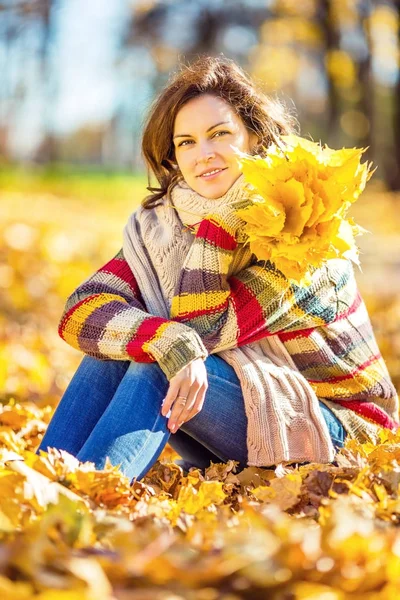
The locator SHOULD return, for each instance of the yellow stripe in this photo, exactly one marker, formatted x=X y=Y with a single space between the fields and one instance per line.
x=77 y=319
x=348 y=387
x=221 y=223
x=304 y=344
x=314 y=320
x=188 y=303
x=330 y=370
x=224 y=262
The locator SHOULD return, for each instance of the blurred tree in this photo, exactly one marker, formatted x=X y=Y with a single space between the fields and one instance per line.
x=170 y=30
x=45 y=9
x=348 y=62
x=393 y=170
x=26 y=34
x=331 y=37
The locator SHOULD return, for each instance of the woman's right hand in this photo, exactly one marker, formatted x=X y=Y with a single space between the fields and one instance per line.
x=191 y=382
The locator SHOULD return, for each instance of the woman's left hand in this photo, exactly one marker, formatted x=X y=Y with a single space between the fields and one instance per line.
x=186 y=393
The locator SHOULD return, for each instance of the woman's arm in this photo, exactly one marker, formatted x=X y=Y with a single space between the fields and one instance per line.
x=105 y=317
x=257 y=302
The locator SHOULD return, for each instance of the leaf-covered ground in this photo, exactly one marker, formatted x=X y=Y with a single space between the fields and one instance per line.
x=328 y=532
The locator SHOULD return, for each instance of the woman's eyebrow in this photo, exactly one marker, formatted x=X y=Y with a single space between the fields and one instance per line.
x=209 y=129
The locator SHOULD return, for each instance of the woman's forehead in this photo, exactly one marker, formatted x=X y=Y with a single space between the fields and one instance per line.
x=204 y=110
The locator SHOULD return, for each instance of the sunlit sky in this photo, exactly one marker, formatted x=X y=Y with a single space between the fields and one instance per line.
x=84 y=44
x=87 y=37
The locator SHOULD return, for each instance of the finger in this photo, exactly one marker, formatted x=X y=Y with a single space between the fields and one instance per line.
x=184 y=415
x=193 y=410
x=172 y=393
x=190 y=408
x=179 y=407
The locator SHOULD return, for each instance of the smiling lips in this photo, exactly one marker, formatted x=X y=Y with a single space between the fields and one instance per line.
x=211 y=173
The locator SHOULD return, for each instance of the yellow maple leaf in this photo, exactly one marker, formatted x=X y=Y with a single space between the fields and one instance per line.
x=283 y=491
x=192 y=500
x=297 y=217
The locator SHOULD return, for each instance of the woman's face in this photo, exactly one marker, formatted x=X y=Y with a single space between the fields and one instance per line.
x=205 y=130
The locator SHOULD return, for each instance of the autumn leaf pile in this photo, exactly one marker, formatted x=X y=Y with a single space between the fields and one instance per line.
x=298 y=217
x=69 y=532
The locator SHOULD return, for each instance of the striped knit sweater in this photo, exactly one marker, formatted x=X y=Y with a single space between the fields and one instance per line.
x=217 y=306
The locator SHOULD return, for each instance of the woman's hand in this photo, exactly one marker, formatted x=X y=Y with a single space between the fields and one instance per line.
x=190 y=383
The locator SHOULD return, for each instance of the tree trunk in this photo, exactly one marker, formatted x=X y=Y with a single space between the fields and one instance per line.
x=332 y=42
x=366 y=103
x=392 y=166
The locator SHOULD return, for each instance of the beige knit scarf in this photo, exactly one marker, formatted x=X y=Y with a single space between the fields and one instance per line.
x=285 y=423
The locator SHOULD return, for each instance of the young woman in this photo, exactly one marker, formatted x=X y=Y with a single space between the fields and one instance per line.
x=189 y=339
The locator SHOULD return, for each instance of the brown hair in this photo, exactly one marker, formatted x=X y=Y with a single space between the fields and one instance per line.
x=207 y=75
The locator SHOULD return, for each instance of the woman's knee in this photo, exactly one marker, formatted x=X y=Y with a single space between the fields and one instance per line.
x=148 y=374
x=91 y=365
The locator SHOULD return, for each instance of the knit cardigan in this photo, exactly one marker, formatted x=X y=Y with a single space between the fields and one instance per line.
x=284 y=419
x=323 y=327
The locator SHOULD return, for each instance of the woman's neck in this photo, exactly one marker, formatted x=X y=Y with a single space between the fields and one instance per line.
x=192 y=207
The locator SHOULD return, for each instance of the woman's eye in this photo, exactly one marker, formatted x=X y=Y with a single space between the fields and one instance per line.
x=217 y=133
x=221 y=133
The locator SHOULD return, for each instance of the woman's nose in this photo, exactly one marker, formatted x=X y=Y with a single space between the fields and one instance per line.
x=205 y=153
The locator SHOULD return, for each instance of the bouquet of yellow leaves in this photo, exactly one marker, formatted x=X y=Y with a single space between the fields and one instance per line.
x=297 y=217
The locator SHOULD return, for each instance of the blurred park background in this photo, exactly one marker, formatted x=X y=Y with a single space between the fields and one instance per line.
x=76 y=81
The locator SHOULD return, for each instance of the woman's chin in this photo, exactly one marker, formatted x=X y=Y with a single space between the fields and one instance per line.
x=213 y=190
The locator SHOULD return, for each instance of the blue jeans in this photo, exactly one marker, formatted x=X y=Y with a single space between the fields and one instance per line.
x=113 y=408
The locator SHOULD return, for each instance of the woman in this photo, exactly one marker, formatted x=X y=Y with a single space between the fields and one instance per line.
x=186 y=333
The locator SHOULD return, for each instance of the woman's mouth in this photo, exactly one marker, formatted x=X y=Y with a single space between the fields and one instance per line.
x=212 y=174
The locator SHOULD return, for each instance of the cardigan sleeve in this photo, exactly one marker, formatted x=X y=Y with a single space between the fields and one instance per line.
x=105 y=317
x=258 y=301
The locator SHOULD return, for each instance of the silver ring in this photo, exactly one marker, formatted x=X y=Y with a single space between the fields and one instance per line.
x=184 y=397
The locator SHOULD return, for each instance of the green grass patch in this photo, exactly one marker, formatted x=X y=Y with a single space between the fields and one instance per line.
x=69 y=181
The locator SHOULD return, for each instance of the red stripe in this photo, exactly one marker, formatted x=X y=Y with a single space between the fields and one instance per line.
x=249 y=313
x=292 y=335
x=369 y=410
x=213 y=233
x=121 y=269
x=352 y=309
x=144 y=333
x=350 y=375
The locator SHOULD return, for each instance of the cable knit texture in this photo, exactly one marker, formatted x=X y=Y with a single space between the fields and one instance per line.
x=185 y=286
